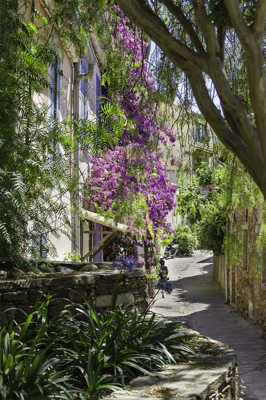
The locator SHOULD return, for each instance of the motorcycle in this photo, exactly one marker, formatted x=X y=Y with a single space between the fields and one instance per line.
x=171 y=250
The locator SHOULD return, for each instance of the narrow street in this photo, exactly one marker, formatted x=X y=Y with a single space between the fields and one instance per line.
x=200 y=303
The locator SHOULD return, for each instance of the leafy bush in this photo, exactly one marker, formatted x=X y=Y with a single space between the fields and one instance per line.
x=185 y=239
x=120 y=343
x=83 y=354
x=211 y=230
x=28 y=370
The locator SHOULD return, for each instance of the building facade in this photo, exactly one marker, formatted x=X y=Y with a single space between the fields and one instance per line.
x=73 y=93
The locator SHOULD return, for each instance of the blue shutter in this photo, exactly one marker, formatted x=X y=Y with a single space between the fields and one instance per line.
x=55 y=86
x=97 y=237
x=84 y=84
x=58 y=83
x=52 y=88
x=84 y=89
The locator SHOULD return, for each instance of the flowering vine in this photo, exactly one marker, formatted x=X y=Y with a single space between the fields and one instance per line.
x=129 y=181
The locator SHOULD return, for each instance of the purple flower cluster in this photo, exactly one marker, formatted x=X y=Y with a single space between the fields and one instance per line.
x=121 y=174
x=134 y=102
x=127 y=264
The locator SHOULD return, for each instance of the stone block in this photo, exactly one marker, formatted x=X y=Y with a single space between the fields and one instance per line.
x=9 y=297
x=41 y=283
x=89 y=268
x=77 y=296
x=125 y=299
x=3 y=275
x=63 y=269
x=103 y=301
x=83 y=279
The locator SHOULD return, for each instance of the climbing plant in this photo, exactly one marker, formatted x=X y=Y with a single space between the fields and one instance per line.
x=129 y=181
x=218 y=189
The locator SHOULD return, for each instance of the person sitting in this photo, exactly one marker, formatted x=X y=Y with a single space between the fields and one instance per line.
x=164 y=273
x=164 y=284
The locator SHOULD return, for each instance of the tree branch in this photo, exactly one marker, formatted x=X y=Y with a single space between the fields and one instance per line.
x=239 y=24
x=228 y=136
x=258 y=26
x=221 y=31
x=232 y=106
x=187 y=25
x=255 y=68
x=234 y=128
x=147 y=20
x=206 y=26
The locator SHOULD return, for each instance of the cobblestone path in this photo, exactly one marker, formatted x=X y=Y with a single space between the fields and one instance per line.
x=198 y=301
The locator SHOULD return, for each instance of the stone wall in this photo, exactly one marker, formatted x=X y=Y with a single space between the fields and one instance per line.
x=243 y=277
x=76 y=282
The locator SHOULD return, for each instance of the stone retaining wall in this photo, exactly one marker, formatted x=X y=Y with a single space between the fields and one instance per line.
x=243 y=278
x=97 y=287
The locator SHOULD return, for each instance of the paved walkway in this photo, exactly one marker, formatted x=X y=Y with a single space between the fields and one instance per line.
x=198 y=301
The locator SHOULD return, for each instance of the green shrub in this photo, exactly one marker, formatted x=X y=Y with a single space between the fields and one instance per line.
x=211 y=230
x=186 y=240
x=121 y=343
x=28 y=370
x=83 y=354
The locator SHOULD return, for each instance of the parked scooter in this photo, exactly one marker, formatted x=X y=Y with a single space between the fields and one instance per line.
x=171 y=250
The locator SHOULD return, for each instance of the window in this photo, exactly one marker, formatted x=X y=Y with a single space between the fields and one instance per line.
x=199 y=132
x=39 y=244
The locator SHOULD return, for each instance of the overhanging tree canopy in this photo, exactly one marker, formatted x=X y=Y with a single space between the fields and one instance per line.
x=193 y=35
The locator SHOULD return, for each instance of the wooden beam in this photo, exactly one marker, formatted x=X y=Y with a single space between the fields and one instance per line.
x=99 y=219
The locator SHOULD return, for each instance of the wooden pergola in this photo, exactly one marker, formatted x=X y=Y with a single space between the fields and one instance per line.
x=108 y=235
